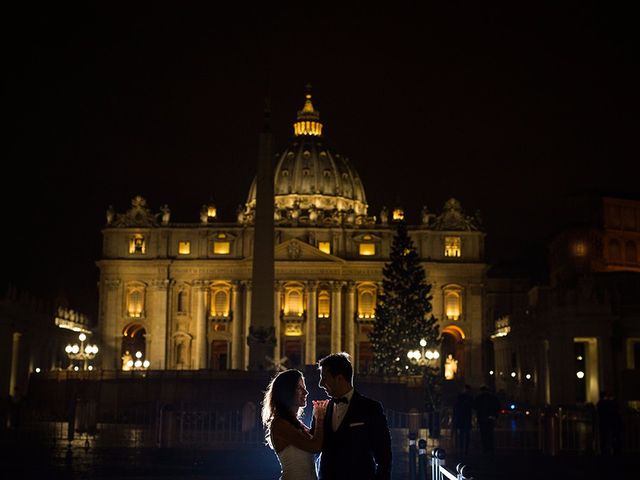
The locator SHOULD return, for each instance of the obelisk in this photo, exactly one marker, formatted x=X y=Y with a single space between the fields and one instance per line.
x=262 y=338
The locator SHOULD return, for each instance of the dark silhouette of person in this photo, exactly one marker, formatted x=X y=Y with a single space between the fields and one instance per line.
x=462 y=414
x=609 y=424
x=487 y=408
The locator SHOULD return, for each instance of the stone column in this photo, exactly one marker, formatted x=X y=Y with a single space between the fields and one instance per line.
x=277 y=306
x=312 y=318
x=158 y=318
x=336 y=317
x=473 y=325
x=349 y=321
x=247 y=322
x=200 y=318
x=236 y=327
x=110 y=311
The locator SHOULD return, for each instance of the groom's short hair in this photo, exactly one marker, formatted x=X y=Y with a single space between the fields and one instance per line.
x=338 y=364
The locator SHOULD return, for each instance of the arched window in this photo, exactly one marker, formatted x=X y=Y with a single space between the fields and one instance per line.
x=452 y=304
x=615 y=255
x=220 y=302
x=367 y=302
x=135 y=302
x=630 y=252
x=324 y=304
x=293 y=303
x=182 y=302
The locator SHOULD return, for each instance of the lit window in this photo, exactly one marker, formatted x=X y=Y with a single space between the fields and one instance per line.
x=367 y=249
x=452 y=304
x=293 y=304
x=324 y=247
x=451 y=246
x=579 y=248
x=324 y=304
x=135 y=303
x=137 y=244
x=221 y=248
x=220 y=304
x=366 y=303
x=398 y=214
x=184 y=248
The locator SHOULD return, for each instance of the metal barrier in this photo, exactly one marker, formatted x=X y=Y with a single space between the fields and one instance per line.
x=440 y=472
x=151 y=424
x=418 y=454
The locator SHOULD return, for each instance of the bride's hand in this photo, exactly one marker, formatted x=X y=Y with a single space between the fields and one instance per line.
x=320 y=408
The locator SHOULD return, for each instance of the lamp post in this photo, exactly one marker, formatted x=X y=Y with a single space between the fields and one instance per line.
x=138 y=364
x=82 y=352
x=424 y=356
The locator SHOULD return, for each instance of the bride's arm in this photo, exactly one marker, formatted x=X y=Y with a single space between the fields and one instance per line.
x=298 y=438
x=303 y=439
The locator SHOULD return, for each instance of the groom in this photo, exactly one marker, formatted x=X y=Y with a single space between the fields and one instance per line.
x=357 y=443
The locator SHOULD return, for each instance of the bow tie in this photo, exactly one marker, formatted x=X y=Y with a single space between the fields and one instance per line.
x=340 y=400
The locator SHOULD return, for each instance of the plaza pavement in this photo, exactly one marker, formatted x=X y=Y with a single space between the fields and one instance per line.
x=28 y=460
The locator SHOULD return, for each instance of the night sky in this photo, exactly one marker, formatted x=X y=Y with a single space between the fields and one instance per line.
x=509 y=108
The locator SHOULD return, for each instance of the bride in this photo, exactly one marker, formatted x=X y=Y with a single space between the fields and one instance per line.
x=292 y=441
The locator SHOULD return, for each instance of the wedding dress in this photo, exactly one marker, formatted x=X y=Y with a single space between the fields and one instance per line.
x=296 y=464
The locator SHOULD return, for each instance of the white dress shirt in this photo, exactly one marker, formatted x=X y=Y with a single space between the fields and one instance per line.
x=340 y=410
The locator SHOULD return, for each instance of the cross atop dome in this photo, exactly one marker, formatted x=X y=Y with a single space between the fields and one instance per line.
x=308 y=118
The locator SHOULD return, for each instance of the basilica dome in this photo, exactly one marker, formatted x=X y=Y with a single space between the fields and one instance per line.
x=313 y=183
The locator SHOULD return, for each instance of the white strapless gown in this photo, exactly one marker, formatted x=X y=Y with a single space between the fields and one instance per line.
x=296 y=464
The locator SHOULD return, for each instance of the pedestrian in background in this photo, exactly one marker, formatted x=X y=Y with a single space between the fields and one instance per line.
x=609 y=424
x=487 y=408
x=462 y=415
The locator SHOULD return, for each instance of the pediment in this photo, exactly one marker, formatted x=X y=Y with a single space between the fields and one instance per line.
x=298 y=251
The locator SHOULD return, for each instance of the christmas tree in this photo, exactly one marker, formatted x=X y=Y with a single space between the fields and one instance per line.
x=403 y=315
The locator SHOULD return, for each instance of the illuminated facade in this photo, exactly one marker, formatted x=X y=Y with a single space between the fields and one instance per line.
x=33 y=335
x=184 y=290
x=565 y=342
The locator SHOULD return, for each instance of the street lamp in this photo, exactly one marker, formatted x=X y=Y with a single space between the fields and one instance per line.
x=82 y=352
x=423 y=356
x=138 y=363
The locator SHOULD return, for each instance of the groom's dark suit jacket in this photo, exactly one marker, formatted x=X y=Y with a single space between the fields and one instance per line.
x=361 y=447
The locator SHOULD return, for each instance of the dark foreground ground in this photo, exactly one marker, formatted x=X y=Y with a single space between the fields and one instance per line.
x=28 y=461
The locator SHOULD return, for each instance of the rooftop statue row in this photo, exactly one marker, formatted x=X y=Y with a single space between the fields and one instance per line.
x=452 y=217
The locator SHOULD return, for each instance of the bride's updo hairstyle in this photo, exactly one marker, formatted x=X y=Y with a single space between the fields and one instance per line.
x=279 y=401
